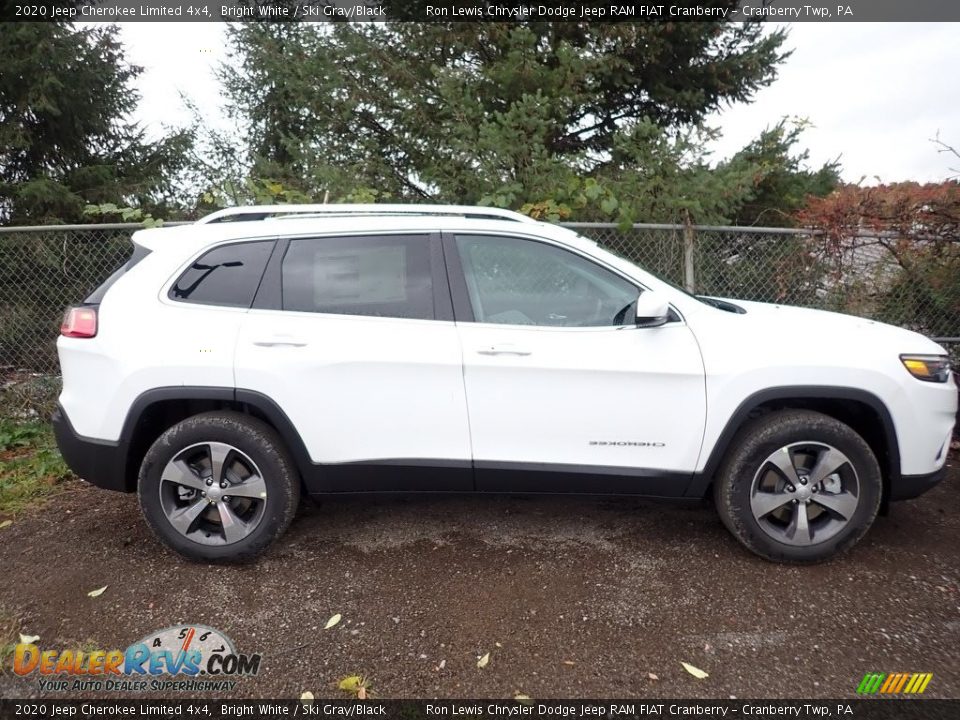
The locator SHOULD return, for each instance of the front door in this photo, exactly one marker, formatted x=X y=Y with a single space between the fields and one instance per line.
x=564 y=392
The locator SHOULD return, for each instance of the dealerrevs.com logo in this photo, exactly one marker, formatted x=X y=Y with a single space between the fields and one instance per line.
x=182 y=658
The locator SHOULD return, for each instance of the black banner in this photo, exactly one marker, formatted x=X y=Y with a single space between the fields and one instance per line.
x=875 y=709
x=480 y=10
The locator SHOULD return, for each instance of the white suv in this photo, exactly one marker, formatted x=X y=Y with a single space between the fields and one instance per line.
x=265 y=352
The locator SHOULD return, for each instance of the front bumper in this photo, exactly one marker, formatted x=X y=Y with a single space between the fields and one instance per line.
x=99 y=462
x=907 y=487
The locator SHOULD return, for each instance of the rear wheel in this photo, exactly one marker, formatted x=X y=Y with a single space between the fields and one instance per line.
x=798 y=486
x=218 y=487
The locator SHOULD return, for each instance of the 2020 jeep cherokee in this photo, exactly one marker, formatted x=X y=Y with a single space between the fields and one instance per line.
x=230 y=366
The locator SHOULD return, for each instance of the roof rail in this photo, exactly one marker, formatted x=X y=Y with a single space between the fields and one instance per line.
x=263 y=212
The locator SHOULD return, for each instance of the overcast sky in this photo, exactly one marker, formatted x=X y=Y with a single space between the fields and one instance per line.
x=875 y=93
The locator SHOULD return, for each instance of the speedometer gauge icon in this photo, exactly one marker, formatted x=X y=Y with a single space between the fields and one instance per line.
x=188 y=638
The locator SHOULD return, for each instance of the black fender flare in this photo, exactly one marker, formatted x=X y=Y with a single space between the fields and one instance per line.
x=701 y=481
x=266 y=406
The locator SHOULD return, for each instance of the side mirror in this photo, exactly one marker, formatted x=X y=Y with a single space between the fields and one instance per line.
x=652 y=310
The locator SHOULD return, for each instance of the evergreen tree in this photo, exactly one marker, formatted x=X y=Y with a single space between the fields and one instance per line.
x=65 y=135
x=783 y=181
x=481 y=112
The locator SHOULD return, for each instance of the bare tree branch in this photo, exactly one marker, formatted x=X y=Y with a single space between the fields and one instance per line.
x=942 y=147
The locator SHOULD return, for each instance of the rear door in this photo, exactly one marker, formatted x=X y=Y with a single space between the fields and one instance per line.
x=564 y=391
x=353 y=337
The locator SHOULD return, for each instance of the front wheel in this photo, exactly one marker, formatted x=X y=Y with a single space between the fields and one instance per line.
x=218 y=487
x=798 y=486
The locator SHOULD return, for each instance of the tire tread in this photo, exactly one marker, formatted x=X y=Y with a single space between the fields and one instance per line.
x=265 y=440
x=732 y=486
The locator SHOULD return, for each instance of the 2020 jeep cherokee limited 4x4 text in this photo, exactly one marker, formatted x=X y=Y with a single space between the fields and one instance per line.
x=229 y=367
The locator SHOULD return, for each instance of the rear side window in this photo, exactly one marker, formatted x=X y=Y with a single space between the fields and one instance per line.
x=96 y=297
x=228 y=275
x=381 y=276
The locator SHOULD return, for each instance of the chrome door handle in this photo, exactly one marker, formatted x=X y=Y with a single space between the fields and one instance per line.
x=280 y=341
x=504 y=350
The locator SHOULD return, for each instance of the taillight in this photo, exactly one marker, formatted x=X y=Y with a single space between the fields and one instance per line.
x=79 y=322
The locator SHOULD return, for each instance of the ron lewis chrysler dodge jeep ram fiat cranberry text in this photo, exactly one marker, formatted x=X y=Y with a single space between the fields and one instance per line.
x=264 y=352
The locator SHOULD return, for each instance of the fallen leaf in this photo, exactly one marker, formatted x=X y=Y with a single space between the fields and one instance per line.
x=333 y=621
x=695 y=671
x=306 y=696
x=351 y=683
x=653 y=676
x=482 y=662
x=98 y=592
x=6 y=523
x=357 y=685
x=498 y=645
x=28 y=639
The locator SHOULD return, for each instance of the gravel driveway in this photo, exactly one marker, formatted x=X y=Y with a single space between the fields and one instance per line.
x=571 y=597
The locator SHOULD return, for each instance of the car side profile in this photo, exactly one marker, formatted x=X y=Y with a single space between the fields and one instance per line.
x=266 y=352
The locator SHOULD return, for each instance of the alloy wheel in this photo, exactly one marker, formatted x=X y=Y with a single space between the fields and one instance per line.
x=804 y=493
x=213 y=493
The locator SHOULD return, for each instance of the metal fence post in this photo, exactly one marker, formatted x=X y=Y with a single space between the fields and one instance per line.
x=689 y=241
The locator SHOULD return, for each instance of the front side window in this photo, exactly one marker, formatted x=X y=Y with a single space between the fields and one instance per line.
x=381 y=276
x=227 y=275
x=524 y=282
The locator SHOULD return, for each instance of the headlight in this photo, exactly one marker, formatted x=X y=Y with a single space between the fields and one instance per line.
x=932 y=368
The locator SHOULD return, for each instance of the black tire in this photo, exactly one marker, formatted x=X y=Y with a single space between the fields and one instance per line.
x=252 y=437
x=751 y=450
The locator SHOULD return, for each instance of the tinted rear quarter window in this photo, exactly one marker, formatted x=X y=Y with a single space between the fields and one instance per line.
x=227 y=275
x=380 y=276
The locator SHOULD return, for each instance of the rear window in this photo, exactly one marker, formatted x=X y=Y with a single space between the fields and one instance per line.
x=380 y=276
x=96 y=297
x=227 y=275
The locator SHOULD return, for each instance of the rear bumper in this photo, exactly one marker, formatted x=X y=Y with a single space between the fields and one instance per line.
x=99 y=462
x=907 y=487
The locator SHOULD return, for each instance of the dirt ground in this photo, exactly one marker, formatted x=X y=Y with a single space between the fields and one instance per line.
x=571 y=597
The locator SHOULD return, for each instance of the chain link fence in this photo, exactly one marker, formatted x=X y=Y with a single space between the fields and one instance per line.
x=880 y=276
x=45 y=269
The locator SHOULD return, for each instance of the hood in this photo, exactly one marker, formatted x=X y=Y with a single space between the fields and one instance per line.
x=806 y=325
